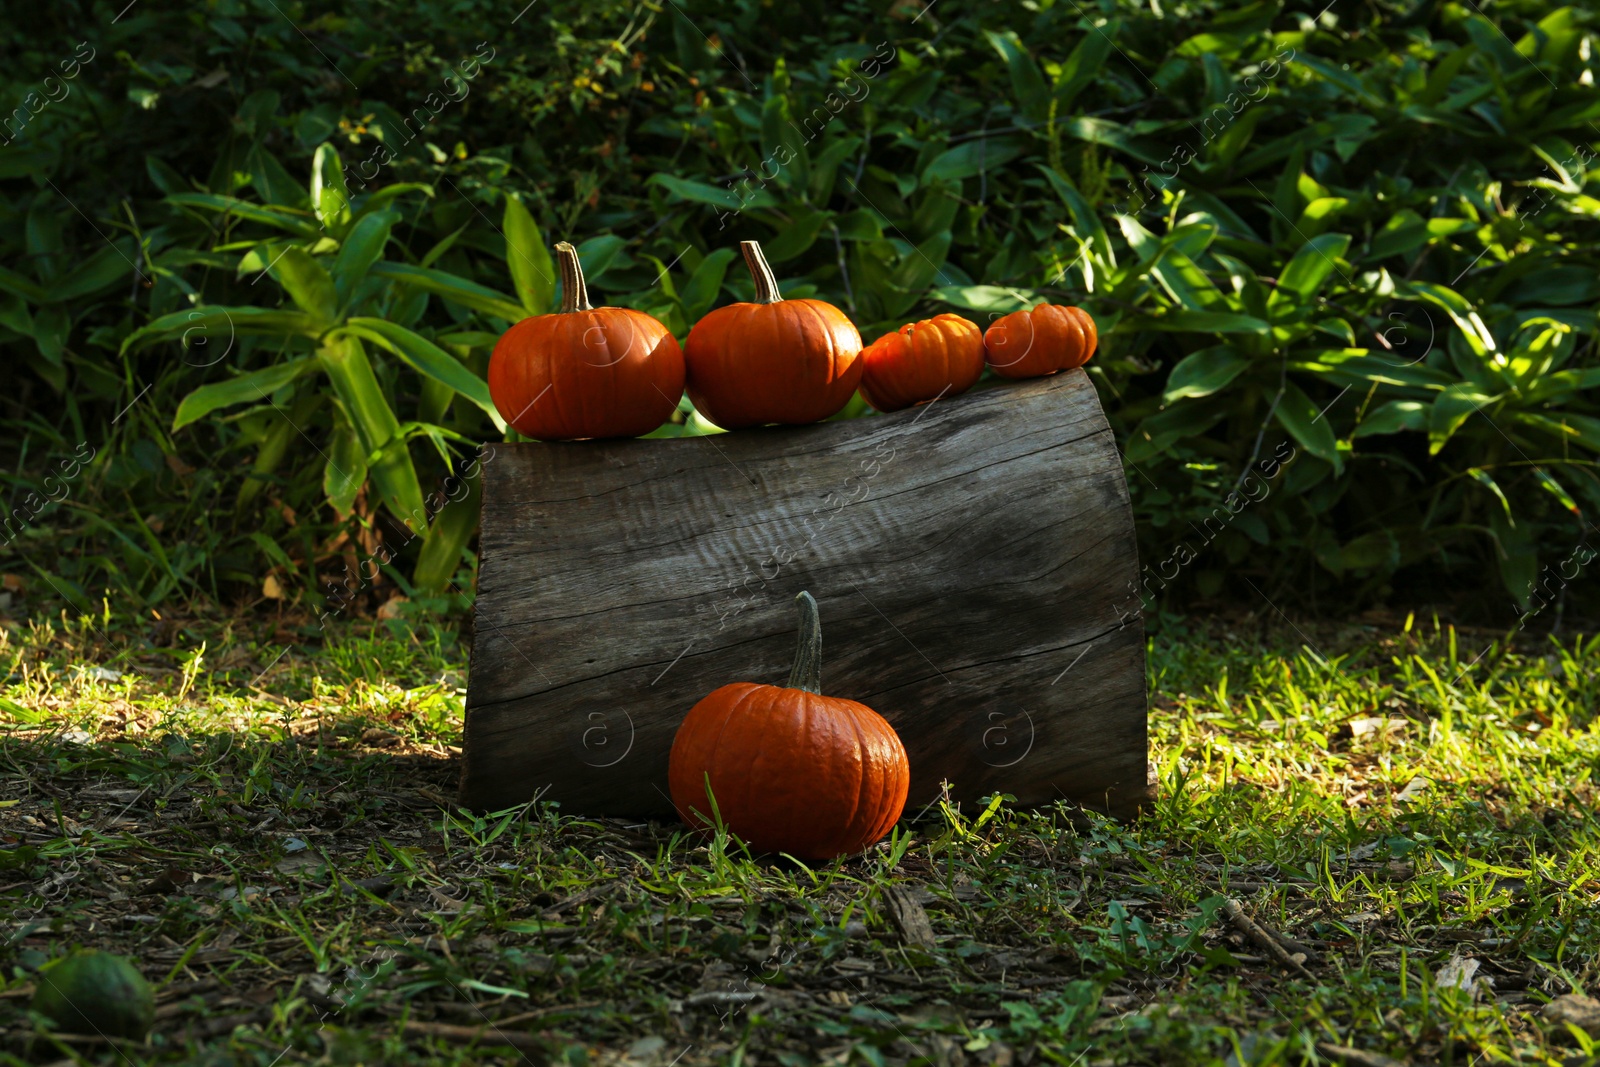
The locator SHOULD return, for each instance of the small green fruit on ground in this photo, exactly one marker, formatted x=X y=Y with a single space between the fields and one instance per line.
x=94 y=992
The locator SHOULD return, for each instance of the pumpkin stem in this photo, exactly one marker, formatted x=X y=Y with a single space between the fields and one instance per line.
x=766 y=282
x=574 y=293
x=807 y=671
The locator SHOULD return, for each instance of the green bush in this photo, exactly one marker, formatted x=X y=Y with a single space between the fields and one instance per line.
x=1343 y=262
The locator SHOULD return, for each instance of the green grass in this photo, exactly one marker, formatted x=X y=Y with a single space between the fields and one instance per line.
x=269 y=837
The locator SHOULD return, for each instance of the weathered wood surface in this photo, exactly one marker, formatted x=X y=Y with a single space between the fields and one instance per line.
x=973 y=560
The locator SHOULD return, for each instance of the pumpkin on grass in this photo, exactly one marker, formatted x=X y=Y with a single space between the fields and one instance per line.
x=1046 y=339
x=786 y=768
x=922 y=361
x=584 y=371
x=773 y=360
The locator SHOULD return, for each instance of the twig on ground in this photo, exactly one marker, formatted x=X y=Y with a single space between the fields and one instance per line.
x=1254 y=931
x=908 y=917
x=483 y=1035
x=1355 y=1057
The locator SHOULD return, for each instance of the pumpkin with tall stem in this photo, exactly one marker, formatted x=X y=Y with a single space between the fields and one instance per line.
x=787 y=769
x=583 y=371
x=772 y=360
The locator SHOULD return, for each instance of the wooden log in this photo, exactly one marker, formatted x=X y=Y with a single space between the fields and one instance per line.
x=973 y=560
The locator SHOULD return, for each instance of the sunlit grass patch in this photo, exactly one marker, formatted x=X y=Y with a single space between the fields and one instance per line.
x=268 y=830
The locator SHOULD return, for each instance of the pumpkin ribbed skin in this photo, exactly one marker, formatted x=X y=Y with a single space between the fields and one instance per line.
x=921 y=361
x=792 y=771
x=1049 y=338
x=774 y=360
x=585 y=372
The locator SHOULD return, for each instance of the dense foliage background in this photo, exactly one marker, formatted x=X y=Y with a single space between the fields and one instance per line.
x=1344 y=261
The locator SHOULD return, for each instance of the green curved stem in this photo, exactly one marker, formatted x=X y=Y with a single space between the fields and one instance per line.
x=807 y=671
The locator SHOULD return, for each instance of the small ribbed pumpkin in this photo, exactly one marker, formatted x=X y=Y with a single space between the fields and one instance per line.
x=922 y=361
x=790 y=770
x=1050 y=337
x=773 y=360
x=584 y=371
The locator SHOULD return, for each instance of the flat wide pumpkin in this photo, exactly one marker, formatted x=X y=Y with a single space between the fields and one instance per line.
x=922 y=361
x=1046 y=339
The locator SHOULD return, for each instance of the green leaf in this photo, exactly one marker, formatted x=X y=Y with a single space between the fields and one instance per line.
x=1085 y=220
x=1206 y=322
x=1454 y=406
x=279 y=218
x=1483 y=478
x=1306 y=424
x=1361 y=367
x=388 y=459
x=597 y=254
x=50 y=328
x=204 y=325
x=1406 y=231
x=443 y=245
x=253 y=387
x=783 y=147
x=919 y=267
x=308 y=285
x=12 y=282
x=1460 y=310
x=1027 y=83
x=860 y=225
x=272 y=182
x=346 y=469
x=452 y=288
x=108 y=267
x=1204 y=372
x=1159 y=432
x=972 y=157
x=363 y=246
x=825 y=170
x=1309 y=270
x=330 y=197
x=428 y=358
x=1376 y=551
x=1083 y=64
x=469 y=338
x=795 y=236
x=1393 y=417
x=1556 y=489
x=1555 y=286
x=989 y=299
x=700 y=291
x=453 y=526
x=1114 y=135
x=1183 y=279
x=1567 y=427
x=743 y=195
x=1350 y=130
x=389 y=193
x=533 y=272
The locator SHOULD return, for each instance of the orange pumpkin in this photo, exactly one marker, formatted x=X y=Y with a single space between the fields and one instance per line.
x=1050 y=337
x=787 y=769
x=774 y=360
x=922 y=361
x=584 y=371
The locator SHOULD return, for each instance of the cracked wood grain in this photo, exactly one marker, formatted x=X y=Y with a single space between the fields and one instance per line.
x=965 y=556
